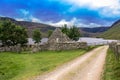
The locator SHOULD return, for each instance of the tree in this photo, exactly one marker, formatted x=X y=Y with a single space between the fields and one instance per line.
x=65 y=29
x=50 y=33
x=21 y=35
x=72 y=32
x=37 y=35
x=11 y=34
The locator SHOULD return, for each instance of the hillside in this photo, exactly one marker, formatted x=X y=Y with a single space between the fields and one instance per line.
x=93 y=32
x=88 y=34
x=95 y=29
x=30 y=26
x=113 y=32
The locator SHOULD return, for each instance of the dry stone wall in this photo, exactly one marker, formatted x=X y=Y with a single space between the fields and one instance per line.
x=57 y=41
x=47 y=46
x=115 y=47
x=16 y=48
x=67 y=46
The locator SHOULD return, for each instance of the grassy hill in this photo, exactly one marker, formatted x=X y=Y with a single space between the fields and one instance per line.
x=113 y=32
x=30 y=26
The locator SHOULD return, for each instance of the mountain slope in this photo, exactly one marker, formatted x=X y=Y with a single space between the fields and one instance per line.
x=30 y=26
x=89 y=34
x=95 y=29
x=93 y=32
x=113 y=32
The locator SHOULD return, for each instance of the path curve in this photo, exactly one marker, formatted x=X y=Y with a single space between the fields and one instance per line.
x=86 y=67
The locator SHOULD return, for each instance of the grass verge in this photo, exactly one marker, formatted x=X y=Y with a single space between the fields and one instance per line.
x=15 y=66
x=112 y=67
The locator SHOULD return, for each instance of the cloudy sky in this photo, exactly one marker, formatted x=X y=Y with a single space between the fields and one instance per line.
x=83 y=13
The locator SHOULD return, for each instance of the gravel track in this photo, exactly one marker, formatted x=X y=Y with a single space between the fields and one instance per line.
x=86 y=67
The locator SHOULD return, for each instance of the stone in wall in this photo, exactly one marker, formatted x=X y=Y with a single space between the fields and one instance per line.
x=58 y=37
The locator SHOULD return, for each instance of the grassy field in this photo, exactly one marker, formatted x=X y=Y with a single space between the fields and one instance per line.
x=22 y=66
x=112 y=68
x=112 y=33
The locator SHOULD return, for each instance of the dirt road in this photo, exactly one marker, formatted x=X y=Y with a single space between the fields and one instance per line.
x=86 y=67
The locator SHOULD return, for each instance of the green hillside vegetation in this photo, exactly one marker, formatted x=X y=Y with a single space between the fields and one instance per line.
x=23 y=66
x=112 y=33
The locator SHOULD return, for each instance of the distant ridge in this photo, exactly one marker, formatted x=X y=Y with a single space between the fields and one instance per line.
x=96 y=29
x=113 y=32
x=117 y=22
x=30 y=26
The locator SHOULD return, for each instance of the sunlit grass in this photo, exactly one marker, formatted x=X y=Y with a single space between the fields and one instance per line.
x=15 y=66
x=112 y=67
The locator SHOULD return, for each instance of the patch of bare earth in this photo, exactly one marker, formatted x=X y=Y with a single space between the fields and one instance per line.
x=86 y=67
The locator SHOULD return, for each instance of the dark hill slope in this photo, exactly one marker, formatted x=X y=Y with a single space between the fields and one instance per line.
x=30 y=26
x=95 y=29
x=113 y=32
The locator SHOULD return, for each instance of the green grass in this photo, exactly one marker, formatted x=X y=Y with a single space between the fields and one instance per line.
x=112 y=33
x=112 y=68
x=15 y=66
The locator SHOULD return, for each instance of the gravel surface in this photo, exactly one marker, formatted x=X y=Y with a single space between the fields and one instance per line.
x=86 y=67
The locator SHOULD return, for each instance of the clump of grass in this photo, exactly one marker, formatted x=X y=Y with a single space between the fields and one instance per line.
x=112 y=67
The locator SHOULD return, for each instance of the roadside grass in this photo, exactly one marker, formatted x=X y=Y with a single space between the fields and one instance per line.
x=23 y=66
x=112 y=67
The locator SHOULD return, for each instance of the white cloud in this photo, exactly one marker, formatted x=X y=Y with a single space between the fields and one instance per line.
x=24 y=12
x=34 y=19
x=19 y=19
x=105 y=7
x=27 y=16
x=90 y=25
x=30 y=18
x=74 y=21
x=63 y=21
x=95 y=3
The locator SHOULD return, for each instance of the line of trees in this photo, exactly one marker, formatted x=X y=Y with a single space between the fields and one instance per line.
x=12 y=34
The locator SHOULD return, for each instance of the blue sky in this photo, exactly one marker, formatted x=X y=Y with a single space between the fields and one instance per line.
x=83 y=13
